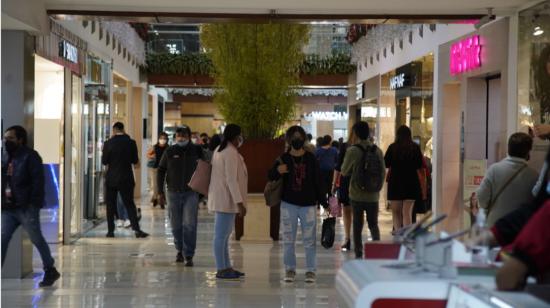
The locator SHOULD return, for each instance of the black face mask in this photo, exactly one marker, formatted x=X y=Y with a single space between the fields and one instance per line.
x=297 y=144
x=10 y=146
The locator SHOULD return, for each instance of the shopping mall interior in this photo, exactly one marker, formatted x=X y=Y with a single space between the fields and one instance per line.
x=455 y=95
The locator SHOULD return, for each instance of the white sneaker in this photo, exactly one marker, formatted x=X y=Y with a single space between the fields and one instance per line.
x=127 y=223
x=120 y=223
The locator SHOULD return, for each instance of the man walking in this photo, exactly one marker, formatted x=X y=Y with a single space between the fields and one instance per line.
x=364 y=163
x=23 y=196
x=176 y=167
x=119 y=153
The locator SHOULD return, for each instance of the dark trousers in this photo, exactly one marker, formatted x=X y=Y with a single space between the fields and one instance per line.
x=326 y=185
x=359 y=208
x=29 y=219
x=127 y=194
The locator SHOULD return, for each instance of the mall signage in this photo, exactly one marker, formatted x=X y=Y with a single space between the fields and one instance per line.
x=465 y=55
x=326 y=116
x=360 y=92
x=68 y=51
x=397 y=81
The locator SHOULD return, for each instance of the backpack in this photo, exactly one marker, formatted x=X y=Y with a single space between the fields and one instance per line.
x=368 y=175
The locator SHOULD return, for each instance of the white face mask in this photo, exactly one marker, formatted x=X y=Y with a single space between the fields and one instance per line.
x=241 y=141
x=194 y=140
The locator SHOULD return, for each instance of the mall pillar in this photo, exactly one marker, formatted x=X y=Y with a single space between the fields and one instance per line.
x=18 y=109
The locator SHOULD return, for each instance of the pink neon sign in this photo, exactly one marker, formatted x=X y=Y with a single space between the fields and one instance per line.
x=465 y=55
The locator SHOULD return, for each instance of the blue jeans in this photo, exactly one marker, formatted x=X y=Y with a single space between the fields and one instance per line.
x=223 y=225
x=307 y=215
x=183 y=210
x=120 y=208
x=29 y=219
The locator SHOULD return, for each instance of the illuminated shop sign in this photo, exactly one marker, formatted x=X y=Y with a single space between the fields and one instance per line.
x=68 y=51
x=397 y=81
x=465 y=55
x=326 y=116
x=372 y=112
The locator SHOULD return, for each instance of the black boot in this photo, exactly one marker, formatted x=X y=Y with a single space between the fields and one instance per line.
x=50 y=276
x=179 y=258
x=141 y=234
x=110 y=234
x=189 y=261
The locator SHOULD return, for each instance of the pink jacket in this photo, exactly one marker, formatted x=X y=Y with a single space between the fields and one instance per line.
x=229 y=181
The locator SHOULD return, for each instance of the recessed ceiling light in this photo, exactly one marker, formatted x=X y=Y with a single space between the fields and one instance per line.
x=538 y=31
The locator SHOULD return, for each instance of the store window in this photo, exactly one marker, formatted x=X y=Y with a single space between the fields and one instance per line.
x=534 y=74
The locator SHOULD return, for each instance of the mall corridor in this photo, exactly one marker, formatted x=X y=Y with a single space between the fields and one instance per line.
x=129 y=272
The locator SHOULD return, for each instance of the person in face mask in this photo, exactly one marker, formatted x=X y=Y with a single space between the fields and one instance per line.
x=23 y=196
x=301 y=193
x=176 y=167
x=155 y=154
x=227 y=197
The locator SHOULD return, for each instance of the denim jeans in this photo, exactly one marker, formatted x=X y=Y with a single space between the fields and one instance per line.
x=223 y=225
x=183 y=210
x=120 y=209
x=290 y=214
x=359 y=208
x=29 y=219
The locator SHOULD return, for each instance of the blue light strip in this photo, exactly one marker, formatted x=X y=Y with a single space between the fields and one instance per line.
x=56 y=183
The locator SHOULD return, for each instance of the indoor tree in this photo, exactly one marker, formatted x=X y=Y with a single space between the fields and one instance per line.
x=256 y=67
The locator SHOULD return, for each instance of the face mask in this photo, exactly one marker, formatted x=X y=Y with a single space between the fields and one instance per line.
x=162 y=141
x=241 y=141
x=183 y=143
x=205 y=141
x=10 y=146
x=297 y=144
x=194 y=140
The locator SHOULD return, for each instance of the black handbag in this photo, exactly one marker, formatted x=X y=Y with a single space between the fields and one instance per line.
x=328 y=232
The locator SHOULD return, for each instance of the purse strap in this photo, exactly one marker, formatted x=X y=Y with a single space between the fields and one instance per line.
x=510 y=179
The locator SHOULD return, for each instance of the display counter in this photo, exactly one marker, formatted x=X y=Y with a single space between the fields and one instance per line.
x=389 y=283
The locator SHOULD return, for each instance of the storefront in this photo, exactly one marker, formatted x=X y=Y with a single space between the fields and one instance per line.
x=471 y=112
x=534 y=75
x=59 y=66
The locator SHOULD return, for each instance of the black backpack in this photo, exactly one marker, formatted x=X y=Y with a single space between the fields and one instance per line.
x=368 y=176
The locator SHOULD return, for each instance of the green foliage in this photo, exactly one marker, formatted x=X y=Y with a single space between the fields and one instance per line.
x=201 y=64
x=256 y=65
x=182 y=64
x=333 y=64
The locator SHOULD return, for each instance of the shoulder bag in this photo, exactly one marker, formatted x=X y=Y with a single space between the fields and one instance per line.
x=273 y=190
x=200 y=181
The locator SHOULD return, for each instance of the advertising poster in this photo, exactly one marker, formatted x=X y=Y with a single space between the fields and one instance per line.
x=474 y=171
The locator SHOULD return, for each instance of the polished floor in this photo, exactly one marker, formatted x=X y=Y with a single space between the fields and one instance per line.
x=129 y=272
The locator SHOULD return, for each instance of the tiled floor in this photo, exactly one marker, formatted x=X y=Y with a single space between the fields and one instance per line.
x=129 y=272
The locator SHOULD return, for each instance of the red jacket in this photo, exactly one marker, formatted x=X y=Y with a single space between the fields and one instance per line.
x=532 y=245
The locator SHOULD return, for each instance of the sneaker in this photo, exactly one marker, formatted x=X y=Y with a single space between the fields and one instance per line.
x=290 y=276
x=50 y=276
x=310 y=277
x=127 y=224
x=179 y=258
x=141 y=234
x=227 y=275
x=110 y=234
x=119 y=223
x=189 y=261
x=239 y=273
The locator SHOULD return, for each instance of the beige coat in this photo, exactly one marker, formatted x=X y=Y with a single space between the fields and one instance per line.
x=229 y=181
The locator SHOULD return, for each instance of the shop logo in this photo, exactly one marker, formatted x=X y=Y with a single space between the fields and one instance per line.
x=397 y=81
x=465 y=55
x=326 y=116
x=68 y=51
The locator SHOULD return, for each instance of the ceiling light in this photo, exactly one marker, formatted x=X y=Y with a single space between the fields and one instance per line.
x=538 y=31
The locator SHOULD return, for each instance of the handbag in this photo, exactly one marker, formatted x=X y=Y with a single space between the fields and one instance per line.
x=335 y=207
x=200 y=181
x=328 y=232
x=273 y=191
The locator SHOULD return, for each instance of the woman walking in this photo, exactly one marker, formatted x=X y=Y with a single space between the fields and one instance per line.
x=340 y=186
x=154 y=155
x=301 y=192
x=404 y=160
x=227 y=197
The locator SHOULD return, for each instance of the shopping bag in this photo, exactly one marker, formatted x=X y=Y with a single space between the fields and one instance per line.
x=335 y=207
x=328 y=232
x=200 y=181
x=273 y=192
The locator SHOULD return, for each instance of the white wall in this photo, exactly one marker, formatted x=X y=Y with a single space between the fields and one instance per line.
x=99 y=48
x=421 y=46
x=27 y=15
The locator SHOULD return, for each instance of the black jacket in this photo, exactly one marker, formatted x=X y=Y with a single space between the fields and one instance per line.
x=177 y=166
x=308 y=191
x=119 y=154
x=27 y=181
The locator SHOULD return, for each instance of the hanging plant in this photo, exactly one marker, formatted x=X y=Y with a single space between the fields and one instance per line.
x=256 y=65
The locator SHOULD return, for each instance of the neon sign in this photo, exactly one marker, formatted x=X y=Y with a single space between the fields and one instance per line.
x=465 y=55
x=326 y=116
x=397 y=81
